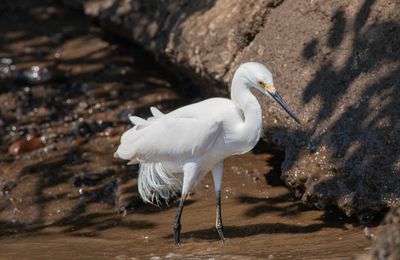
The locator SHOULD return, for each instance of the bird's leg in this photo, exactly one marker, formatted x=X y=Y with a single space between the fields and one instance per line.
x=177 y=222
x=217 y=176
x=190 y=173
x=218 y=222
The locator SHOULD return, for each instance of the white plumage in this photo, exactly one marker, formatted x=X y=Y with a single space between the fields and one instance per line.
x=177 y=149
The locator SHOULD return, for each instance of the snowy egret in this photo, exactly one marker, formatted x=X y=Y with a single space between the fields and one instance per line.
x=178 y=149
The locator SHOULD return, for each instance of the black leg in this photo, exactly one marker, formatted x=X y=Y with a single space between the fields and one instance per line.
x=218 y=223
x=177 y=222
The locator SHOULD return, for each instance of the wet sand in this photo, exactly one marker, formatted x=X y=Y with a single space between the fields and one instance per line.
x=63 y=195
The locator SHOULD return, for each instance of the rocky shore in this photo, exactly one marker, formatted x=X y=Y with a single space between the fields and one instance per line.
x=337 y=64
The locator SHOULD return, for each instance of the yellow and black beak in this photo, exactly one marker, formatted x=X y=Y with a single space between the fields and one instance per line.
x=283 y=104
x=271 y=91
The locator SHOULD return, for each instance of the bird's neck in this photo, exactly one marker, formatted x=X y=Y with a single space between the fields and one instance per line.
x=249 y=106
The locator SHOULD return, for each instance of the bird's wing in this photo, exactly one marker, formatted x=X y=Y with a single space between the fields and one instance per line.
x=168 y=138
x=156 y=113
x=137 y=120
x=140 y=122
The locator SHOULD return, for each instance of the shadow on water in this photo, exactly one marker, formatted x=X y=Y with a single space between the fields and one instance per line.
x=330 y=219
x=287 y=207
x=256 y=229
x=364 y=138
x=267 y=205
x=70 y=181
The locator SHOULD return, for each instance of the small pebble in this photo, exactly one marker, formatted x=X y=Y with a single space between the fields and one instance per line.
x=27 y=144
x=36 y=75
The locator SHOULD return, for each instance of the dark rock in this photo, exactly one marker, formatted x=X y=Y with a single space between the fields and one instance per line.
x=88 y=179
x=82 y=129
x=7 y=69
x=7 y=186
x=35 y=75
x=387 y=243
x=101 y=125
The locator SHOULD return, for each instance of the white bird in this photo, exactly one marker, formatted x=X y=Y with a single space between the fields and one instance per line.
x=176 y=150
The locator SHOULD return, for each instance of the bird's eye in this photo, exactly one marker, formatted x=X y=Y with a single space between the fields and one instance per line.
x=270 y=88
x=261 y=84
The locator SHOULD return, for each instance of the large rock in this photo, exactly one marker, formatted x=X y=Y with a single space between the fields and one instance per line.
x=387 y=242
x=337 y=63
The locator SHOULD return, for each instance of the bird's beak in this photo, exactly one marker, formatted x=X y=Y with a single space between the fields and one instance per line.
x=275 y=95
x=269 y=90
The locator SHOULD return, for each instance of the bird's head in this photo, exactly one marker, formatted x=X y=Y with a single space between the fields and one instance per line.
x=258 y=76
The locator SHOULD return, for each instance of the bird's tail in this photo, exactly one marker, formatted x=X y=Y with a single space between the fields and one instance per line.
x=156 y=182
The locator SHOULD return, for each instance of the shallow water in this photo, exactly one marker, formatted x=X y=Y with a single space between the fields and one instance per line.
x=260 y=221
x=63 y=195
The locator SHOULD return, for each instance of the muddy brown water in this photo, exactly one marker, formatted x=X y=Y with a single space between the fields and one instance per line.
x=63 y=196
